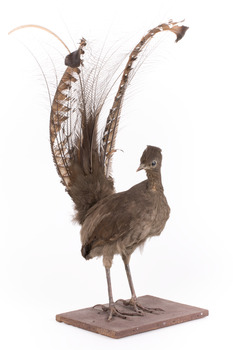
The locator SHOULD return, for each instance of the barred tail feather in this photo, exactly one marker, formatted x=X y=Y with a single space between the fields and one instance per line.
x=110 y=132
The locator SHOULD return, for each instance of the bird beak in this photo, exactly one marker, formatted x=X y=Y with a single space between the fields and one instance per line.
x=141 y=166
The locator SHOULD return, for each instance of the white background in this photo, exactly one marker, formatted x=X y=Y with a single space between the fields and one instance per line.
x=181 y=102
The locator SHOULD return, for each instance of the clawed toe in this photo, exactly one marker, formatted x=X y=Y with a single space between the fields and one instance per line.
x=140 y=308
x=137 y=310
x=113 y=311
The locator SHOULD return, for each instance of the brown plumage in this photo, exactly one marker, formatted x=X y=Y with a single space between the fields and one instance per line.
x=121 y=222
x=112 y=223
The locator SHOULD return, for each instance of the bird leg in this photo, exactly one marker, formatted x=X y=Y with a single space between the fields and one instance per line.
x=133 y=301
x=112 y=308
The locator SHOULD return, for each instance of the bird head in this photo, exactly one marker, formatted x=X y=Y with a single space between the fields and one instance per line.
x=151 y=159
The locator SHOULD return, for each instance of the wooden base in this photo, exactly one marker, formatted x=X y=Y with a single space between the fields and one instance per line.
x=95 y=320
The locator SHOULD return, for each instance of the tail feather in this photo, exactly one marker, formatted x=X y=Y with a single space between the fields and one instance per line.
x=88 y=188
x=82 y=159
x=110 y=132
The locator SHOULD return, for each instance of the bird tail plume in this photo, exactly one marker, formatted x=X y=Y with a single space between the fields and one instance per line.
x=83 y=159
x=110 y=132
x=81 y=155
x=74 y=137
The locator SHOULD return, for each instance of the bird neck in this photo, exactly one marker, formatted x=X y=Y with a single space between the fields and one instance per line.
x=154 y=180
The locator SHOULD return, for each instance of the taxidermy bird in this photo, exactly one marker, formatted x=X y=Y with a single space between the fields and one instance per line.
x=111 y=223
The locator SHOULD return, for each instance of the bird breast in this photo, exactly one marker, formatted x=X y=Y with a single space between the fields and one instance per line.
x=161 y=215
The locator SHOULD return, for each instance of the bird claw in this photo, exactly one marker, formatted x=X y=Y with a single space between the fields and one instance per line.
x=135 y=306
x=113 y=311
x=140 y=308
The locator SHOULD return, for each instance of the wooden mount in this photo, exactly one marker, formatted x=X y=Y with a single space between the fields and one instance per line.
x=95 y=320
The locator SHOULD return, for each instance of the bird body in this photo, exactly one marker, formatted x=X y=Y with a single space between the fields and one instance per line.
x=121 y=222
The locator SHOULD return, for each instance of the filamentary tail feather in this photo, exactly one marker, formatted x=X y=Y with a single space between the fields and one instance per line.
x=82 y=159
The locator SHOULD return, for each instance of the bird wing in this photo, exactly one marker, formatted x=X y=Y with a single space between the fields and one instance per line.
x=109 y=220
x=117 y=215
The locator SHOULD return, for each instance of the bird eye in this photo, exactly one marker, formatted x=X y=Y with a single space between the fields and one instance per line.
x=154 y=163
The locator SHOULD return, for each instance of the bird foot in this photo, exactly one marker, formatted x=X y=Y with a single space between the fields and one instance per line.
x=140 y=308
x=113 y=311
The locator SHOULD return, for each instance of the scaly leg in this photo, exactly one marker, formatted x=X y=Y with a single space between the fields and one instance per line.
x=111 y=309
x=133 y=301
